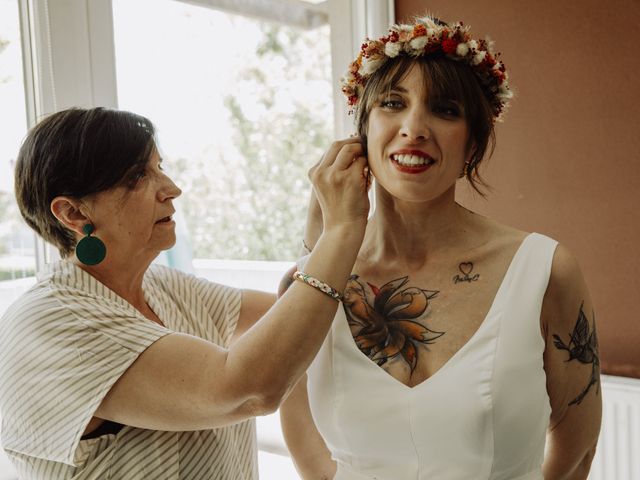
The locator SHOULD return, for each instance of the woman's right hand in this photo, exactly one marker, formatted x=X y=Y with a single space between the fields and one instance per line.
x=340 y=182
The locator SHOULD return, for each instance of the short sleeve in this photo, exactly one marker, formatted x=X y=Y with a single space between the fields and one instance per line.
x=195 y=305
x=221 y=303
x=61 y=353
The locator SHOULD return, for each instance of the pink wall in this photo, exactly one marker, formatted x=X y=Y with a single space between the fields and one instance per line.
x=567 y=162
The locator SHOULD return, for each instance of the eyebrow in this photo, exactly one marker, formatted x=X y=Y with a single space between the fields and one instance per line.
x=397 y=88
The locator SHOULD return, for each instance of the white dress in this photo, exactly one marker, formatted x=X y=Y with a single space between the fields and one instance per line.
x=483 y=415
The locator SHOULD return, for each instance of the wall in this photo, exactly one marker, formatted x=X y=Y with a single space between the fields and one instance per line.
x=567 y=158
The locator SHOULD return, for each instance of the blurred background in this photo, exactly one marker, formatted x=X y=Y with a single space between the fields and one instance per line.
x=245 y=98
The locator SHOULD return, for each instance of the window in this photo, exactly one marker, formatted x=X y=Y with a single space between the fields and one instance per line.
x=243 y=109
x=17 y=241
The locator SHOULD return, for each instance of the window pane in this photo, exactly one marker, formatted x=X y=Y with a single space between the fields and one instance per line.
x=17 y=241
x=243 y=109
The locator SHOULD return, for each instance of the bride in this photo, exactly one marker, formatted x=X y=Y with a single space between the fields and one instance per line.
x=463 y=347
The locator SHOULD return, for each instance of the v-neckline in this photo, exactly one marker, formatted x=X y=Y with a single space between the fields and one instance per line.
x=458 y=353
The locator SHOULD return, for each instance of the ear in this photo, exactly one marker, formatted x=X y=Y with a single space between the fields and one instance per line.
x=71 y=212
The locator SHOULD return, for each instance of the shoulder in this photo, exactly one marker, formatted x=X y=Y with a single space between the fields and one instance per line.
x=566 y=279
x=494 y=237
x=567 y=294
x=41 y=303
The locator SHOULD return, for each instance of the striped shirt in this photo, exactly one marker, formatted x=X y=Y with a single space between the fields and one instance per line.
x=65 y=343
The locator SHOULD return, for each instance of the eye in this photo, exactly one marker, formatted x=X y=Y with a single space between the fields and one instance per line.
x=391 y=103
x=135 y=177
x=447 y=109
x=139 y=175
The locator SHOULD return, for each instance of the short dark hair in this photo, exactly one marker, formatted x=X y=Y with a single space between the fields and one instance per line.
x=446 y=79
x=77 y=152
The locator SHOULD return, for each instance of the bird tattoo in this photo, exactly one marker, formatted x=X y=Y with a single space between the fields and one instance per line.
x=583 y=347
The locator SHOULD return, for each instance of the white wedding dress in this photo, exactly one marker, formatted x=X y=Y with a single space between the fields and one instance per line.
x=483 y=415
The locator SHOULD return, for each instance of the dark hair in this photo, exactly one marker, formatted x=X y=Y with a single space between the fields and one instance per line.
x=77 y=152
x=446 y=79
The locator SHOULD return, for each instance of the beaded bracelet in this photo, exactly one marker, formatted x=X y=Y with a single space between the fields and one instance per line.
x=315 y=283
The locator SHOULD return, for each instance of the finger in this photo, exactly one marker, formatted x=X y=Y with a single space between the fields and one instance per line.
x=347 y=155
x=335 y=148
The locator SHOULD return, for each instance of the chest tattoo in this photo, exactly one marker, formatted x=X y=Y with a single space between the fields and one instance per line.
x=583 y=347
x=466 y=269
x=384 y=320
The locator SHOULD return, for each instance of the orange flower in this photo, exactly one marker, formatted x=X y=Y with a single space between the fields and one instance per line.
x=388 y=328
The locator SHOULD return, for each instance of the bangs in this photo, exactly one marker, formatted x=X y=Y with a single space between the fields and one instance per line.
x=443 y=79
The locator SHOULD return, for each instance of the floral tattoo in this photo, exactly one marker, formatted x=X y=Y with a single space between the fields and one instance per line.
x=383 y=319
x=583 y=347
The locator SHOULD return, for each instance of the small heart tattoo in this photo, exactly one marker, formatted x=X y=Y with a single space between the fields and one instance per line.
x=466 y=268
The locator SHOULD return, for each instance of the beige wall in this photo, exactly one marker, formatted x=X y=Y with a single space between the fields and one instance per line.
x=567 y=162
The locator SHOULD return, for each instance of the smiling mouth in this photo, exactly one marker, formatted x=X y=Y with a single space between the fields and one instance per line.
x=409 y=160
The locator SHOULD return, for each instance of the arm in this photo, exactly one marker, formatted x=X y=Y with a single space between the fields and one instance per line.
x=182 y=382
x=309 y=452
x=313 y=227
x=572 y=367
x=255 y=305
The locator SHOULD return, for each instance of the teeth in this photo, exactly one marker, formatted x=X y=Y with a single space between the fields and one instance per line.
x=411 y=160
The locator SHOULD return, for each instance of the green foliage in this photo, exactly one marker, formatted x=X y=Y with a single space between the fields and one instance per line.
x=253 y=206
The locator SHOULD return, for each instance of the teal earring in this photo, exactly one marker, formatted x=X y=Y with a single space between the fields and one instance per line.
x=90 y=250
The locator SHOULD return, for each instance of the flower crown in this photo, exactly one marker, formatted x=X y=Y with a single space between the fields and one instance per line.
x=430 y=36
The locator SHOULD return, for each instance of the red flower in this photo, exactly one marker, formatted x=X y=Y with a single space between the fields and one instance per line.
x=449 y=46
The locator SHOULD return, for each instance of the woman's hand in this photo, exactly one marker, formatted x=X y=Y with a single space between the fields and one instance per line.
x=340 y=184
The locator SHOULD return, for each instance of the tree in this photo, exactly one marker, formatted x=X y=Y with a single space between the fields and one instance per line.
x=250 y=204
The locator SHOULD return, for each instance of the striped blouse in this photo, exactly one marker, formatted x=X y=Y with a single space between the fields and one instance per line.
x=65 y=343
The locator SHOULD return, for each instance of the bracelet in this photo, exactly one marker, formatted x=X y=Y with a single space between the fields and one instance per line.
x=315 y=283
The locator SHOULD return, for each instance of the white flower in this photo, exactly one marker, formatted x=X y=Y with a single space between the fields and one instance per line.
x=370 y=65
x=392 y=49
x=462 y=49
x=479 y=57
x=418 y=44
x=473 y=45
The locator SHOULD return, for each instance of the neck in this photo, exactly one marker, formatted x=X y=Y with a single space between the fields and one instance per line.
x=123 y=278
x=409 y=232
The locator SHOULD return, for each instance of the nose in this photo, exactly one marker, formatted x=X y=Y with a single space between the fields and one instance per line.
x=415 y=125
x=169 y=190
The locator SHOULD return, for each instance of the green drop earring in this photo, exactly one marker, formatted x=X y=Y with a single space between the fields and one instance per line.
x=90 y=250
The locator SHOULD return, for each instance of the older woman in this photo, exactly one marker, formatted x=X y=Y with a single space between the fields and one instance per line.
x=462 y=344
x=114 y=369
